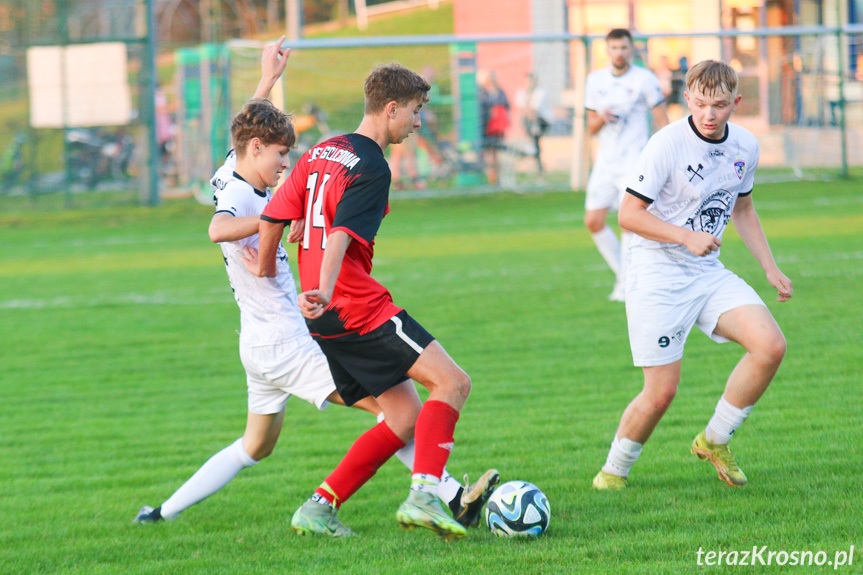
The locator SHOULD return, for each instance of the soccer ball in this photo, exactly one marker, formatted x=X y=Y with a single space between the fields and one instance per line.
x=517 y=508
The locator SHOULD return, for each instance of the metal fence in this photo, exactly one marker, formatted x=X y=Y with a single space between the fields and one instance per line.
x=802 y=87
x=78 y=104
x=802 y=97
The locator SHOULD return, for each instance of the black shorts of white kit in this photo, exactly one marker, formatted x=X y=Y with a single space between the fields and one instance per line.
x=370 y=364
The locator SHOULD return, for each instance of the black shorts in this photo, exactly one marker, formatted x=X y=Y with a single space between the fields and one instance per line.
x=370 y=364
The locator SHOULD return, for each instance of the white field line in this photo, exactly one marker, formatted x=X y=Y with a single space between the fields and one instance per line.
x=115 y=300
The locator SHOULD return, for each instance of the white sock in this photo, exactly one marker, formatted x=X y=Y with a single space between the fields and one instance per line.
x=725 y=421
x=621 y=457
x=448 y=488
x=449 y=485
x=217 y=472
x=609 y=246
x=425 y=482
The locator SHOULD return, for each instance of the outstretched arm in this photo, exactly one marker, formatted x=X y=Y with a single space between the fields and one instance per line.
x=748 y=225
x=273 y=62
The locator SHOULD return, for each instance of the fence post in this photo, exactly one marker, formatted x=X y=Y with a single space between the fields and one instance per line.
x=843 y=129
x=469 y=121
x=149 y=105
x=580 y=164
x=63 y=33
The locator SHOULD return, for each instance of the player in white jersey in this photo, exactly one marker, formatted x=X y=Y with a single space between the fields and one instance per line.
x=619 y=100
x=279 y=355
x=691 y=179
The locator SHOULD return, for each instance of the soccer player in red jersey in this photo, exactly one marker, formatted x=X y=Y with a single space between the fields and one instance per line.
x=277 y=351
x=341 y=189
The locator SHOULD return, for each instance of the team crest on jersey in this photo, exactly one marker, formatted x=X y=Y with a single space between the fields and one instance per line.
x=740 y=168
x=713 y=214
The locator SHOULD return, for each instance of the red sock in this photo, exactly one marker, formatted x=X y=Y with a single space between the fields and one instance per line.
x=434 y=437
x=362 y=461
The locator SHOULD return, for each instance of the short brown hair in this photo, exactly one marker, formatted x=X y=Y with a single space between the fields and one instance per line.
x=619 y=34
x=260 y=119
x=393 y=82
x=710 y=77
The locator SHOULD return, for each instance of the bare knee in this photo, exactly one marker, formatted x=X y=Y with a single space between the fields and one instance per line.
x=773 y=349
x=594 y=221
x=462 y=385
x=455 y=388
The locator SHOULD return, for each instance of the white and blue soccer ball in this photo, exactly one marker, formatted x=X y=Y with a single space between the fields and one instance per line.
x=518 y=509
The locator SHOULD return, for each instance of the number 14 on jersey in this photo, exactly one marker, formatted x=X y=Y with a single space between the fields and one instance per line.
x=314 y=208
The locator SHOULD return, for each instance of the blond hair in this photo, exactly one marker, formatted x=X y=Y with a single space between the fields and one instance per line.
x=711 y=77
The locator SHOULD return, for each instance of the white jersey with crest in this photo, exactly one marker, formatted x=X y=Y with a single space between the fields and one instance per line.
x=269 y=313
x=630 y=97
x=692 y=182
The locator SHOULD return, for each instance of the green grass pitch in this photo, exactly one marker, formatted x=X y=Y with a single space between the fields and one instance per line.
x=120 y=376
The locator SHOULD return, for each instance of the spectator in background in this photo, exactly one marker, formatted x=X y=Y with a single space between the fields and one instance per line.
x=428 y=118
x=663 y=74
x=405 y=155
x=678 y=77
x=428 y=138
x=164 y=123
x=165 y=132
x=671 y=86
x=494 y=120
x=536 y=114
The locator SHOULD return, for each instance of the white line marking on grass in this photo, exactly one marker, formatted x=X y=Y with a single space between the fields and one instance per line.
x=109 y=241
x=119 y=299
x=36 y=303
x=819 y=258
x=840 y=201
x=421 y=276
x=820 y=201
x=834 y=273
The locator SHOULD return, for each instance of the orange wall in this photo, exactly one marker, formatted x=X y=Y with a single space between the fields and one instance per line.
x=511 y=60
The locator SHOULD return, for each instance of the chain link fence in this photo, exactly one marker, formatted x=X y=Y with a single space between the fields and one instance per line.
x=802 y=97
x=77 y=115
x=802 y=88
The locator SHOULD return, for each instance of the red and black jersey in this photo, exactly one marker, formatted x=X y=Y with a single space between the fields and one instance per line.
x=341 y=184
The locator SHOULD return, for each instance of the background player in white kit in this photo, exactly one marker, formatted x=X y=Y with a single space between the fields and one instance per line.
x=280 y=357
x=693 y=177
x=618 y=99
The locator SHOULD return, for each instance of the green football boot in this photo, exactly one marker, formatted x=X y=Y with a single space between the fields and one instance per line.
x=423 y=509
x=608 y=482
x=721 y=458
x=313 y=518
